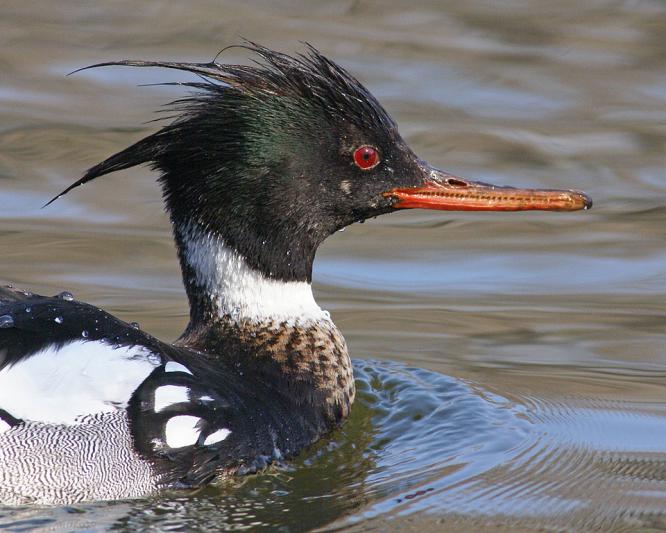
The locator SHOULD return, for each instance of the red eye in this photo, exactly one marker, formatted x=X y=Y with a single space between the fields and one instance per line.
x=366 y=157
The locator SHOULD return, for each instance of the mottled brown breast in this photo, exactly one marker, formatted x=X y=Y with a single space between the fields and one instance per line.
x=305 y=361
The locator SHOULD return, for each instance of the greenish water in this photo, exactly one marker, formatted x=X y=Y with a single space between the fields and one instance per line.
x=512 y=366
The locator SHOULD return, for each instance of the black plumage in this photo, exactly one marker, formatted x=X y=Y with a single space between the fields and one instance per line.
x=258 y=153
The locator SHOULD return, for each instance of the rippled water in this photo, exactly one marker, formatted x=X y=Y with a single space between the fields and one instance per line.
x=511 y=365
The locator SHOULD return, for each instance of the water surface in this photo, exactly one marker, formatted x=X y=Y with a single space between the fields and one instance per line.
x=511 y=366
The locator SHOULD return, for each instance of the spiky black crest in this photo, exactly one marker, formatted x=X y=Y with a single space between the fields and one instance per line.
x=261 y=158
x=309 y=80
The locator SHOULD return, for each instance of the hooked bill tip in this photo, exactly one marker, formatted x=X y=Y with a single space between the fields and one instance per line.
x=587 y=201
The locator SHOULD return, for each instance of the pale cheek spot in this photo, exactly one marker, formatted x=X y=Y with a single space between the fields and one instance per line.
x=4 y=426
x=345 y=186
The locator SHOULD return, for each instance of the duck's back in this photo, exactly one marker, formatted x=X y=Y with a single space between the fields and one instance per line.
x=93 y=408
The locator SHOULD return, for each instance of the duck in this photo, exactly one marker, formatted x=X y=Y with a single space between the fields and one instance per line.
x=260 y=165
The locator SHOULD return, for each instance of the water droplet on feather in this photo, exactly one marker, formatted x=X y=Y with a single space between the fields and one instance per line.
x=65 y=295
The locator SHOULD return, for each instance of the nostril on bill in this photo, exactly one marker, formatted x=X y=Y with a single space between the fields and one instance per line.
x=454 y=182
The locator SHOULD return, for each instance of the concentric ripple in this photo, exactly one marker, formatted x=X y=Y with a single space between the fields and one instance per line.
x=582 y=464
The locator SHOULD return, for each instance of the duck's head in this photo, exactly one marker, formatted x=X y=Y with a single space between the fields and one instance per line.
x=275 y=157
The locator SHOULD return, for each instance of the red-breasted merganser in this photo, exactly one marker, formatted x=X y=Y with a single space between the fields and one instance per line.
x=263 y=163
